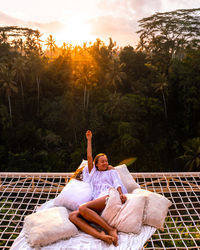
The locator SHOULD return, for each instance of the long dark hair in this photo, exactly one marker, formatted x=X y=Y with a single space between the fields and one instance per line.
x=96 y=158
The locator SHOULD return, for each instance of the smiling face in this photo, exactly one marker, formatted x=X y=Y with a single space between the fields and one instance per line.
x=102 y=163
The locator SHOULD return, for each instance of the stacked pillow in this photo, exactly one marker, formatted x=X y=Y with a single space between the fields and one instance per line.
x=52 y=224
x=141 y=208
x=125 y=217
x=156 y=205
x=48 y=226
x=127 y=179
x=156 y=208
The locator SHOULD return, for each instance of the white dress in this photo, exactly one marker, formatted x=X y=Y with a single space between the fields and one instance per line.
x=102 y=181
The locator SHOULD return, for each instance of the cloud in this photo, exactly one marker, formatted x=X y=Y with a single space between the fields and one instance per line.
x=8 y=20
x=121 y=21
x=51 y=27
x=135 y=9
x=171 y=5
x=144 y=8
x=108 y=18
x=120 y=29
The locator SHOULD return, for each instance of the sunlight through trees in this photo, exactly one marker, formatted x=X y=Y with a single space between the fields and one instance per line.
x=142 y=104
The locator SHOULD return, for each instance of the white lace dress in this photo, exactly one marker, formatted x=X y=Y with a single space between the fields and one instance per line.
x=102 y=181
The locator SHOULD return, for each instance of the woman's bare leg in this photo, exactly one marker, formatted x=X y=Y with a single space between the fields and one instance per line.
x=75 y=218
x=90 y=211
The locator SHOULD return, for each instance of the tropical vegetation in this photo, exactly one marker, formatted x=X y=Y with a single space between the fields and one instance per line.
x=141 y=103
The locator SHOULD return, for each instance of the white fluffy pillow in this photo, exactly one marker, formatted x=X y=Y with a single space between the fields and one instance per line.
x=48 y=226
x=156 y=208
x=126 y=177
x=125 y=217
x=74 y=194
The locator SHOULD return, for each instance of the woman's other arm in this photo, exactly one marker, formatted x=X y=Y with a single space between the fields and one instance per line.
x=89 y=150
x=117 y=184
x=122 y=196
x=110 y=167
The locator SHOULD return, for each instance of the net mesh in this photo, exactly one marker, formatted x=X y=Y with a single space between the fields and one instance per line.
x=22 y=193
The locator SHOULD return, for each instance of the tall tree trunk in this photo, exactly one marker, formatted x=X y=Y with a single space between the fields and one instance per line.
x=165 y=105
x=84 y=96
x=75 y=136
x=38 y=94
x=22 y=91
x=88 y=95
x=10 y=108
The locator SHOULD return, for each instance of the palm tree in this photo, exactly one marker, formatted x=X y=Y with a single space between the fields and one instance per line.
x=38 y=41
x=8 y=85
x=192 y=154
x=111 y=46
x=64 y=48
x=19 y=65
x=115 y=102
x=30 y=43
x=162 y=87
x=85 y=77
x=115 y=73
x=21 y=45
x=36 y=67
x=15 y=44
x=51 y=44
x=3 y=37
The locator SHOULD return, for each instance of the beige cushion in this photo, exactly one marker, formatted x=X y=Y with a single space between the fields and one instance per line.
x=125 y=217
x=127 y=178
x=156 y=208
x=48 y=226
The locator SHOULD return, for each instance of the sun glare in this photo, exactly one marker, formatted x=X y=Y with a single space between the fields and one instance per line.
x=75 y=32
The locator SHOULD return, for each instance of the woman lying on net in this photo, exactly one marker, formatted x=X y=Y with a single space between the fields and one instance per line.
x=101 y=177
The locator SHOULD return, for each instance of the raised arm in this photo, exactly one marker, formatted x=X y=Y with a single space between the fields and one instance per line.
x=89 y=150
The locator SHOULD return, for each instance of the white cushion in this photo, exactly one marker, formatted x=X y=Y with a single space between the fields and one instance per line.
x=156 y=208
x=84 y=163
x=74 y=194
x=125 y=217
x=126 y=177
x=48 y=226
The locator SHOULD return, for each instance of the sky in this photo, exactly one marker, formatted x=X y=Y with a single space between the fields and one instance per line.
x=78 y=21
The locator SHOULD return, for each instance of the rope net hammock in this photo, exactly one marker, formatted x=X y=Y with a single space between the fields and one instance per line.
x=22 y=193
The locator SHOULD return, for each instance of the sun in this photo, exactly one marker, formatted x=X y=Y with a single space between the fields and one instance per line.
x=75 y=32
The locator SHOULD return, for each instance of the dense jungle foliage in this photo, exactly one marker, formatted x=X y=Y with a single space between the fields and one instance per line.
x=139 y=102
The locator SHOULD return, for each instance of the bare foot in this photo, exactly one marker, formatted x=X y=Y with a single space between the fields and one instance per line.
x=113 y=233
x=107 y=238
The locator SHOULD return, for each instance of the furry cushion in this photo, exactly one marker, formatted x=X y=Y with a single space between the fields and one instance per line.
x=74 y=194
x=125 y=217
x=156 y=208
x=48 y=226
x=127 y=178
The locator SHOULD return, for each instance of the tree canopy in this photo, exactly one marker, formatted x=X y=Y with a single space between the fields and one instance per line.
x=167 y=35
x=142 y=104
